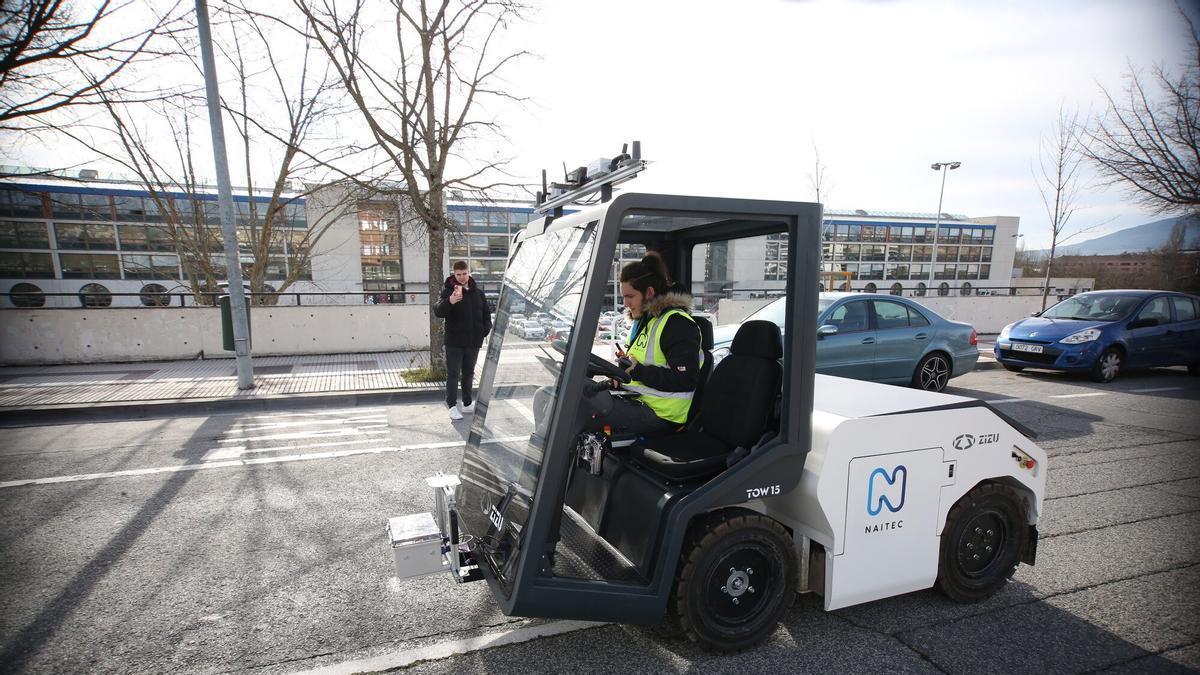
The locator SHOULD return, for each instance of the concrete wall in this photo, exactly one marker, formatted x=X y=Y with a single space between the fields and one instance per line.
x=988 y=314
x=44 y=337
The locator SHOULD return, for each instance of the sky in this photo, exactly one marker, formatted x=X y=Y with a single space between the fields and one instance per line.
x=730 y=98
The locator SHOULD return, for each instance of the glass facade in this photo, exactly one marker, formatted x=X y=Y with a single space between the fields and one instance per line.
x=963 y=252
x=93 y=233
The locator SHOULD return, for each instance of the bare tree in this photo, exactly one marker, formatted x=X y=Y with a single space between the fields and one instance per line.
x=278 y=103
x=1148 y=140
x=419 y=92
x=1057 y=178
x=57 y=54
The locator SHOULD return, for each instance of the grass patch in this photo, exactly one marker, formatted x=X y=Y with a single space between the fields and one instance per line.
x=425 y=375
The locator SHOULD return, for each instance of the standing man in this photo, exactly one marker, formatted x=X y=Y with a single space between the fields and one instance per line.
x=468 y=321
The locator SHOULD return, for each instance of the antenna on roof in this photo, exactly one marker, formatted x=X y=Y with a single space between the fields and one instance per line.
x=598 y=176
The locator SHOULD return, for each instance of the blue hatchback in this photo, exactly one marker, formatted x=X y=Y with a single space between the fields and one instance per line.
x=1104 y=332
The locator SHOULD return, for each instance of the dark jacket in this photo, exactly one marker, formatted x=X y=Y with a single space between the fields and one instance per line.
x=467 y=322
x=680 y=340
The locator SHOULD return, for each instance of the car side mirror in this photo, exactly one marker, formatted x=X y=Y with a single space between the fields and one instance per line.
x=1143 y=323
x=826 y=330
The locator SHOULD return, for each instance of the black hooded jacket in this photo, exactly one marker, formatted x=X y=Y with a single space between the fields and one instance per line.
x=468 y=321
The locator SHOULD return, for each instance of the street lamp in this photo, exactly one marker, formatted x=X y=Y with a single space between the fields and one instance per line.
x=939 y=166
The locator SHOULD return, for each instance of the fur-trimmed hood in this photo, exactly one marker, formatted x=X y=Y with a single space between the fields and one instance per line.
x=666 y=302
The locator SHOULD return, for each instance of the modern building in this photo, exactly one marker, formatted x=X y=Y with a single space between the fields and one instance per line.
x=103 y=240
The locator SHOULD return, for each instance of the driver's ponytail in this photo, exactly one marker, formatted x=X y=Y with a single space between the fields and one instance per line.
x=649 y=272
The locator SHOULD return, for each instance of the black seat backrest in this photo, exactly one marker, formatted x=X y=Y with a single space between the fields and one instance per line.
x=740 y=395
x=706 y=346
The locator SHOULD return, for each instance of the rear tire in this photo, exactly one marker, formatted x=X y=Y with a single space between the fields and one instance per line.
x=1108 y=366
x=1013 y=369
x=933 y=372
x=982 y=542
x=737 y=577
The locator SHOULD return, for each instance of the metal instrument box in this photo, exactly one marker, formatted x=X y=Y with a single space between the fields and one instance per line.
x=416 y=545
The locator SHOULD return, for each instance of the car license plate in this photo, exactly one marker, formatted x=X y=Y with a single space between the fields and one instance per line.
x=1032 y=349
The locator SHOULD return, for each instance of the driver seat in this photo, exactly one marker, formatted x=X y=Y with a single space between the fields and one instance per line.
x=735 y=411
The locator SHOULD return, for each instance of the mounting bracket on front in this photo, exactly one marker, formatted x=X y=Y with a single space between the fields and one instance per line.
x=598 y=176
x=423 y=545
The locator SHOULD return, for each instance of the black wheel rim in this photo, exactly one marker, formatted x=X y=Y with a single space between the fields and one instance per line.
x=738 y=587
x=981 y=543
x=934 y=374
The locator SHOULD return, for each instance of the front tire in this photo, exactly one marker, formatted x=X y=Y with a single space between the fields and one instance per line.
x=1108 y=366
x=737 y=576
x=932 y=373
x=982 y=542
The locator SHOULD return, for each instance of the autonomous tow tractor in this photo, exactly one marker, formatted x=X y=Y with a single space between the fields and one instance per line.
x=781 y=481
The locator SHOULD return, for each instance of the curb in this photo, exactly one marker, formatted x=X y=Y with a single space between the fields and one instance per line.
x=193 y=407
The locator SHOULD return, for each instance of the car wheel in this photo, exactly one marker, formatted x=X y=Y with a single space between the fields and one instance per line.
x=981 y=544
x=1013 y=369
x=933 y=372
x=737 y=576
x=1108 y=365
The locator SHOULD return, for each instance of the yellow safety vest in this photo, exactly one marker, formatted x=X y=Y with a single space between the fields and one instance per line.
x=671 y=406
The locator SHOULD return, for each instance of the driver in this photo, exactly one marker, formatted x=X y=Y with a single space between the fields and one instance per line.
x=663 y=357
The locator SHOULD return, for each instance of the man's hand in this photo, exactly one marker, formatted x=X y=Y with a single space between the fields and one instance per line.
x=456 y=295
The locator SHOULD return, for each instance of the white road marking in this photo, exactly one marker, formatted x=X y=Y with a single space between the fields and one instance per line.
x=1007 y=400
x=239 y=450
x=1098 y=393
x=322 y=433
x=1147 y=391
x=525 y=411
x=242 y=428
x=248 y=462
x=443 y=650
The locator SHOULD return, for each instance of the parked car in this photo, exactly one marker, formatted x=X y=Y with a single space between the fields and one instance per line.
x=884 y=339
x=530 y=330
x=1102 y=333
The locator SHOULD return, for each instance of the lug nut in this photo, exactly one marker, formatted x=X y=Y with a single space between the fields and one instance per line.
x=735 y=601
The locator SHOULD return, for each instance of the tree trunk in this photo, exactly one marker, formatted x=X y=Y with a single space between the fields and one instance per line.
x=1046 y=280
x=437 y=251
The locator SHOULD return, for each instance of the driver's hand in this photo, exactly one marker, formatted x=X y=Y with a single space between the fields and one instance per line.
x=633 y=362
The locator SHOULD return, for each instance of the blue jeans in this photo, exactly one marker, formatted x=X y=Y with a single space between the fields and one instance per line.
x=460 y=364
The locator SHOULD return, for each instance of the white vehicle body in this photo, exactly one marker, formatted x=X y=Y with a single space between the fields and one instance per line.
x=862 y=432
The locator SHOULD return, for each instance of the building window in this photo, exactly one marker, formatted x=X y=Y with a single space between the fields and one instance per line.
x=871 y=288
x=150 y=266
x=84 y=266
x=897 y=272
x=847 y=252
x=154 y=295
x=897 y=289
x=922 y=253
x=145 y=238
x=85 y=236
x=21 y=203
x=97 y=207
x=26 y=295
x=921 y=289
x=14 y=265
x=15 y=234
x=873 y=252
x=943 y=289
x=95 y=295
x=949 y=235
x=965 y=290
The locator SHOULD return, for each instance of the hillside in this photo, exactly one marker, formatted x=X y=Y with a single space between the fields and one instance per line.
x=1134 y=239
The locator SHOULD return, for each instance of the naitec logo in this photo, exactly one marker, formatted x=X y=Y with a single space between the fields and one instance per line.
x=886 y=491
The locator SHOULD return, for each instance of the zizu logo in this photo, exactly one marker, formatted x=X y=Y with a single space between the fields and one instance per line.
x=496 y=518
x=964 y=442
x=882 y=489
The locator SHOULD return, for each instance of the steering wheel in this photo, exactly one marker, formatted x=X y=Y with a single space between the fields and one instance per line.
x=596 y=365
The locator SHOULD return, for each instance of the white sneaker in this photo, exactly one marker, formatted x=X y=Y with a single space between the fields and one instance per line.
x=467 y=409
x=454 y=414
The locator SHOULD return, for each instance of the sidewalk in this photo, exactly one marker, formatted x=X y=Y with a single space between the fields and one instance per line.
x=204 y=383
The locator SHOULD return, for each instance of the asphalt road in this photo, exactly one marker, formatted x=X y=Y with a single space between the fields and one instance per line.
x=255 y=543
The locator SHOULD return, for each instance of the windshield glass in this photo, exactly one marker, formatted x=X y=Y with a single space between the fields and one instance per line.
x=1093 y=307
x=503 y=458
x=776 y=310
